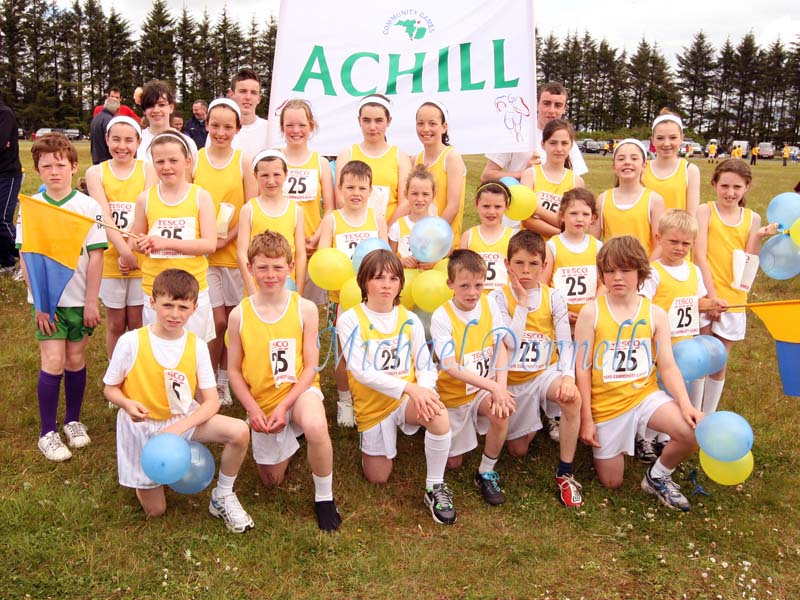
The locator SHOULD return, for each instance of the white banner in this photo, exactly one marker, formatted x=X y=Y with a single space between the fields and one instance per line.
x=475 y=57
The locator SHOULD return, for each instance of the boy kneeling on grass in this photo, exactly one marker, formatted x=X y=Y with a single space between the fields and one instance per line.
x=142 y=380
x=618 y=337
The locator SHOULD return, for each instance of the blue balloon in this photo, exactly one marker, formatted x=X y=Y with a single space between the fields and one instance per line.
x=784 y=209
x=333 y=172
x=431 y=239
x=290 y=284
x=200 y=473
x=691 y=358
x=724 y=436
x=365 y=247
x=717 y=355
x=780 y=257
x=509 y=181
x=166 y=458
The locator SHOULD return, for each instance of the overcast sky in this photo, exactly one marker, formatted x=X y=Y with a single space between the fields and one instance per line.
x=623 y=23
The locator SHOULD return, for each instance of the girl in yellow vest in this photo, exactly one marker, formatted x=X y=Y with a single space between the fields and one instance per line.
x=420 y=192
x=629 y=208
x=272 y=210
x=552 y=179
x=669 y=175
x=729 y=235
x=389 y=166
x=444 y=163
x=618 y=339
x=393 y=379
x=225 y=174
x=571 y=263
x=309 y=181
x=490 y=238
x=115 y=184
x=177 y=224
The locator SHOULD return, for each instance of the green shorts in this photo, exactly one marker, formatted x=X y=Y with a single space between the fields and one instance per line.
x=69 y=325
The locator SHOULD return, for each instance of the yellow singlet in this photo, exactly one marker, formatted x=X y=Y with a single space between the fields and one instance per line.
x=575 y=274
x=439 y=172
x=370 y=406
x=723 y=239
x=304 y=185
x=385 y=175
x=346 y=237
x=679 y=300
x=225 y=184
x=537 y=349
x=163 y=392
x=284 y=224
x=121 y=193
x=494 y=254
x=672 y=187
x=178 y=221
x=633 y=220
x=549 y=193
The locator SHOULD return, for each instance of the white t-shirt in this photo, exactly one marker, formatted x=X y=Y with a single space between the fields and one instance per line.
x=167 y=353
x=147 y=137
x=681 y=273
x=251 y=139
x=403 y=249
x=442 y=327
x=362 y=367
x=74 y=293
x=576 y=248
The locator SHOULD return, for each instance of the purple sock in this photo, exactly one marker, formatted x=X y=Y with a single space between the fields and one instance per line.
x=74 y=386
x=47 y=391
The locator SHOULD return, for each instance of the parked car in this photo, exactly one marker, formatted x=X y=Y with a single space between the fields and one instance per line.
x=683 y=150
x=646 y=143
x=766 y=150
x=40 y=132
x=697 y=149
x=20 y=133
x=714 y=141
x=73 y=134
x=744 y=145
x=591 y=146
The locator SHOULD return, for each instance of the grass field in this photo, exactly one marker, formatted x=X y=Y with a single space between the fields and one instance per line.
x=69 y=531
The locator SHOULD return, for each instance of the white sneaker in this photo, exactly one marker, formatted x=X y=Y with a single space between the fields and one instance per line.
x=230 y=510
x=53 y=448
x=224 y=391
x=345 y=417
x=553 y=429
x=76 y=434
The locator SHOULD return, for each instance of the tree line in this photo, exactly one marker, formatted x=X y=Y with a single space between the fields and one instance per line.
x=57 y=63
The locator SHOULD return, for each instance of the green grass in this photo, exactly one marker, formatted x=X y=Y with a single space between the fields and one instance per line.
x=69 y=531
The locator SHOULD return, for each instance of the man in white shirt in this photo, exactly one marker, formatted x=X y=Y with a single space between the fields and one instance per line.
x=246 y=92
x=551 y=105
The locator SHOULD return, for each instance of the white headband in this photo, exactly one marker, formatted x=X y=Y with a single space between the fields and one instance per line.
x=637 y=143
x=226 y=102
x=268 y=154
x=438 y=105
x=127 y=121
x=384 y=102
x=673 y=118
x=171 y=133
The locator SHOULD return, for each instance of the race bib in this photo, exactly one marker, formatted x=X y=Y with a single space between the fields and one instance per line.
x=388 y=360
x=626 y=360
x=533 y=353
x=182 y=228
x=577 y=284
x=302 y=185
x=684 y=316
x=122 y=214
x=178 y=391
x=347 y=242
x=549 y=201
x=282 y=353
x=745 y=268
x=379 y=199
x=478 y=362
x=404 y=246
x=496 y=274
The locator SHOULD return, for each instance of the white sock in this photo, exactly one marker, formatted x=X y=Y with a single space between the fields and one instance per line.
x=437 y=447
x=696 y=389
x=659 y=471
x=712 y=394
x=487 y=464
x=345 y=396
x=323 y=487
x=225 y=484
x=222 y=377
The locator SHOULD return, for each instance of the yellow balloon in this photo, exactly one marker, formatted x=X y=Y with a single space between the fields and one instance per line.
x=226 y=339
x=329 y=268
x=406 y=295
x=350 y=294
x=523 y=202
x=442 y=265
x=430 y=290
x=794 y=232
x=727 y=473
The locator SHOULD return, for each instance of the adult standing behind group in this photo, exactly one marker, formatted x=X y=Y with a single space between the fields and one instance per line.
x=246 y=92
x=10 y=182
x=124 y=111
x=195 y=127
x=97 y=130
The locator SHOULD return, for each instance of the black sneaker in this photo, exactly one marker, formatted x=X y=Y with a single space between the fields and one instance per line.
x=440 y=500
x=645 y=451
x=489 y=483
x=328 y=517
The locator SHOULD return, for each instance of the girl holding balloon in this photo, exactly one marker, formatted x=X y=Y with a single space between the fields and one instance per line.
x=420 y=192
x=728 y=238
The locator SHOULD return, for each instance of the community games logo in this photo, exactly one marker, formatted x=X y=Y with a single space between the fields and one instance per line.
x=410 y=22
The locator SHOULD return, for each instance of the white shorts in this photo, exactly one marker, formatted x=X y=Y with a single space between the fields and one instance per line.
x=381 y=439
x=201 y=323
x=225 y=286
x=731 y=326
x=274 y=448
x=119 y=292
x=618 y=435
x=531 y=398
x=466 y=424
x=132 y=437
